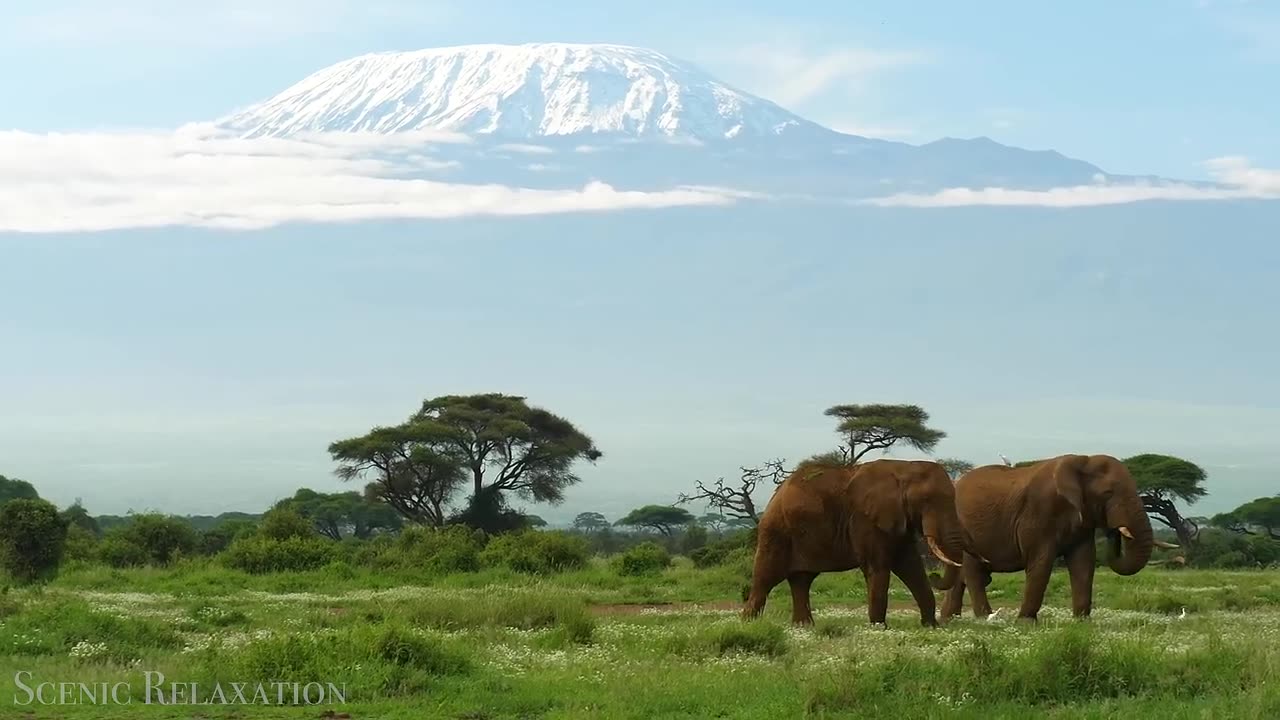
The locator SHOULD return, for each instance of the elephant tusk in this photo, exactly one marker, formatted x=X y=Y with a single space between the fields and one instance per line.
x=1125 y=532
x=933 y=547
x=1165 y=545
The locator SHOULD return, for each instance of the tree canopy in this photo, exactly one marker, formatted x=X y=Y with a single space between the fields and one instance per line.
x=529 y=450
x=879 y=427
x=662 y=518
x=590 y=522
x=1162 y=479
x=1260 y=516
x=410 y=466
x=333 y=513
x=15 y=489
x=955 y=467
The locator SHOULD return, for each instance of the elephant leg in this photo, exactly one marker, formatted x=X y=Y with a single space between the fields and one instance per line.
x=910 y=570
x=977 y=580
x=1081 y=562
x=801 y=610
x=769 y=570
x=1039 y=568
x=953 y=601
x=877 y=579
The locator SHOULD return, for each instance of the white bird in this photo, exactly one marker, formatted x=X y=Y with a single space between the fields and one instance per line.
x=992 y=616
x=1183 y=614
x=1005 y=459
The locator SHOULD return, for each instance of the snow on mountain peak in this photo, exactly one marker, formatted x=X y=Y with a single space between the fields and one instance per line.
x=519 y=91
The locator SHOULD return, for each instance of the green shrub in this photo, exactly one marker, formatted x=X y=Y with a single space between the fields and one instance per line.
x=436 y=550
x=724 y=551
x=32 y=539
x=219 y=538
x=119 y=551
x=643 y=559
x=533 y=551
x=81 y=545
x=257 y=555
x=161 y=538
x=419 y=651
x=285 y=523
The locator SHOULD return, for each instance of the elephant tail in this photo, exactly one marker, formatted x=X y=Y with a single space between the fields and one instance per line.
x=945 y=581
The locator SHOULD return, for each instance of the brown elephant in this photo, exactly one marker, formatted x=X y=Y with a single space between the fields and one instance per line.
x=832 y=518
x=1025 y=518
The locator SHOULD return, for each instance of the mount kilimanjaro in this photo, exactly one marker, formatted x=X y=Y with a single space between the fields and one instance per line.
x=627 y=115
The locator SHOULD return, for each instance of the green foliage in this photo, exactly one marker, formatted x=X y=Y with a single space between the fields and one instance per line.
x=81 y=545
x=1258 y=516
x=332 y=513
x=433 y=551
x=530 y=450
x=266 y=554
x=1167 y=476
x=535 y=551
x=284 y=523
x=488 y=511
x=430 y=654
x=15 y=489
x=647 y=558
x=152 y=538
x=662 y=518
x=955 y=467
x=119 y=551
x=879 y=427
x=694 y=537
x=76 y=515
x=218 y=538
x=32 y=539
x=414 y=468
x=590 y=522
x=728 y=549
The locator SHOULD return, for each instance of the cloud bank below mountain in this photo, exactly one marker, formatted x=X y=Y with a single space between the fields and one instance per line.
x=197 y=177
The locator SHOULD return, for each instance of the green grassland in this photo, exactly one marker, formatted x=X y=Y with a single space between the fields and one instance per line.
x=590 y=643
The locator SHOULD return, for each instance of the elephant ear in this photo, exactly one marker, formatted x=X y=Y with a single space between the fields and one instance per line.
x=1066 y=480
x=880 y=500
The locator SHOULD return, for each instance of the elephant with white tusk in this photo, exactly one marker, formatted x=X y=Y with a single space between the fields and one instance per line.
x=1024 y=518
x=832 y=518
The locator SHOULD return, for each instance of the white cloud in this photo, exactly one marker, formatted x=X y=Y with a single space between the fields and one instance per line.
x=209 y=23
x=102 y=181
x=526 y=148
x=1235 y=177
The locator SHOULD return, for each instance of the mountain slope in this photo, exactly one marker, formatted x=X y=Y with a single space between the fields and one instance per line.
x=520 y=91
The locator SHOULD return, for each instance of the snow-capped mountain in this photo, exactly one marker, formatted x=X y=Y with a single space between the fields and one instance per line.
x=520 y=91
x=647 y=120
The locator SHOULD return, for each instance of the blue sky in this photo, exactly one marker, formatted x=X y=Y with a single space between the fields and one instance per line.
x=1134 y=87
x=149 y=363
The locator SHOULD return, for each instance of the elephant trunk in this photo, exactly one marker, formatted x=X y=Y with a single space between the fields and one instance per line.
x=1129 y=536
x=942 y=533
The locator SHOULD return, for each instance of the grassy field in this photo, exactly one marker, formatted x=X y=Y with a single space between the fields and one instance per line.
x=591 y=644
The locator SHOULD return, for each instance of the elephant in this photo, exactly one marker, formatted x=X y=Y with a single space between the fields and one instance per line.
x=1024 y=518
x=832 y=518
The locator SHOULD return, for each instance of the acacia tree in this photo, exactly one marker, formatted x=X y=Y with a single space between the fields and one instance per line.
x=334 y=512
x=955 y=467
x=735 y=501
x=878 y=426
x=1260 y=516
x=530 y=451
x=657 y=517
x=1161 y=480
x=590 y=522
x=411 y=468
